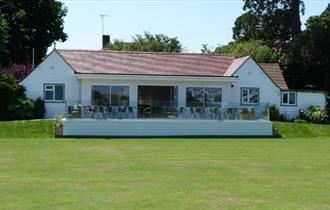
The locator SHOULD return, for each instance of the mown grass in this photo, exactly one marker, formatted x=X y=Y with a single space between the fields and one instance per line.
x=27 y=129
x=164 y=173
x=301 y=130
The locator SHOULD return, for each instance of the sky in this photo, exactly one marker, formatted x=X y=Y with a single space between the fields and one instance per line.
x=194 y=22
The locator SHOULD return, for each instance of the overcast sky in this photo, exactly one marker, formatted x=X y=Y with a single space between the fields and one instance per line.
x=193 y=22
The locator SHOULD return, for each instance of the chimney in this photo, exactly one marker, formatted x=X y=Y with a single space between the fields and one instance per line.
x=105 y=40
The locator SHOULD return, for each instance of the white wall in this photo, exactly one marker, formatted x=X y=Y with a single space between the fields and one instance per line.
x=251 y=75
x=304 y=100
x=139 y=127
x=52 y=70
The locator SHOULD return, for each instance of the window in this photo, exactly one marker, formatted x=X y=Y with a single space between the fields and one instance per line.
x=54 y=92
x=106 y=95
x=250 y=96
x=289 y=98
x=203 y=97
x=101 y=95
x=119 y=95
x=195 y=96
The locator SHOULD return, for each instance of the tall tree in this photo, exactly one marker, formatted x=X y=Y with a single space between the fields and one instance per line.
x=295 y=20
x=3 y=40
x=206 y=49
x=148 y=43
x=32 y=24
x=246 y=28
x=269 y=20
x=257 y=49
x=308 y=58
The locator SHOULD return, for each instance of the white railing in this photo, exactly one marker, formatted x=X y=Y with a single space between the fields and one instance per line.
x=78 y=111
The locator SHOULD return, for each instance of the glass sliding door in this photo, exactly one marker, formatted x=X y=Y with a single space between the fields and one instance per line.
x=119 y=95
x=101 y=95
x=106 y=95
x=203 y=97
x=153 y=101
x=213 y=97
x=195 y=96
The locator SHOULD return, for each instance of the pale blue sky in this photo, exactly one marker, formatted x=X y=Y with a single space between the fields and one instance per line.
x=193 y=22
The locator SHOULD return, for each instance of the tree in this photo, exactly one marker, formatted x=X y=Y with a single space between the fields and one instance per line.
x=3 y=40
x=206 y=49
x=32 y=24
x=308 y=59
x=269 y=20
x=246 y=28
x=148 y=43
x=257 y=49
x=17 y=71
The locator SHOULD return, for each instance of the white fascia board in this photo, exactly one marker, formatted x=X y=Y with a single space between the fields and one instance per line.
x=155 y=78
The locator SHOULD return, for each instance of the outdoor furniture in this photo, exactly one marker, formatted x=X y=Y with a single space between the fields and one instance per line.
x=188 y=113
x=147 y=111
x=132 y=112
x=171 y=112
x=181 y=113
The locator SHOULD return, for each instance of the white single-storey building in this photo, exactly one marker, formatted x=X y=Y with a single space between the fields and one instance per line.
x=107 y=93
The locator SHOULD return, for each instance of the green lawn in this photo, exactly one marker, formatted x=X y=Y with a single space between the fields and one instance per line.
x=41 y=172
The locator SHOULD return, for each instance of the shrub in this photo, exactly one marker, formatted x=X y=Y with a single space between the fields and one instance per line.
x=283 y=118
x=274 y=113
x=300 y=121
x=316 y=115
x=8 y=89
x=39 y=108
x=17 y=71
x=22 y=109
x=14 y=104
x=328 y=105
x=58 y=123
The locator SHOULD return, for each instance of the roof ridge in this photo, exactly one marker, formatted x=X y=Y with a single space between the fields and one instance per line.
x=143 y=52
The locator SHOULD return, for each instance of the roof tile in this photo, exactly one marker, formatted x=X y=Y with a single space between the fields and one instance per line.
x=146 y=63
x=162 y=64
x=273 y=70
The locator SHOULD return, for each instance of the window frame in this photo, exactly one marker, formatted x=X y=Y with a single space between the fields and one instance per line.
x=249 y=103
x=54 y=92
x=288 y=103
x=108 y=86
x=110 y=92
x=204 y=95
x=120 y=100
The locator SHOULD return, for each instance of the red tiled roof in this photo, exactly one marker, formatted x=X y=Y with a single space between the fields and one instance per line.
x=162 y=64
x=146 y=63
x=273 y=70
x=236 y=64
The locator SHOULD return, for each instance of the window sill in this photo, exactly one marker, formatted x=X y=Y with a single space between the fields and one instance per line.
x=60 y=101
x=288 y=104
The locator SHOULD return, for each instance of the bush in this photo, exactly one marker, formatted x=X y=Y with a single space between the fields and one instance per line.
x=316 y=115
x=300 y=121
x=328 y=105
x=39 y=108
x=274 y=113
x=14 y=104
x=58 y=123
x=22 y=109
x=17 y=71
x=8 y=88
